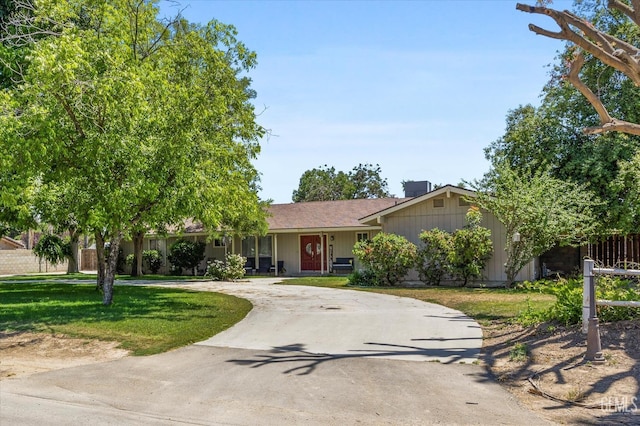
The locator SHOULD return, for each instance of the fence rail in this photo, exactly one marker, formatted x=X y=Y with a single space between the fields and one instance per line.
x=590 y=324
x=616 y=271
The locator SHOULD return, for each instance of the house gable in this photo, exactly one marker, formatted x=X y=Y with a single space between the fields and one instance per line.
x=449 y=197
x=446 y=209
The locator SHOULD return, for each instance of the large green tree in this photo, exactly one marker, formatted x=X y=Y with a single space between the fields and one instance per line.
x=326 y=184
x=537 y=210
x=149 y=119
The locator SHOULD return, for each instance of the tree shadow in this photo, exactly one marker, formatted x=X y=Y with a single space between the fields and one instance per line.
x=609 y=409
x=305 y=362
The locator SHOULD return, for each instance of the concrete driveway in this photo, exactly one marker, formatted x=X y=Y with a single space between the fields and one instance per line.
x=304 y=355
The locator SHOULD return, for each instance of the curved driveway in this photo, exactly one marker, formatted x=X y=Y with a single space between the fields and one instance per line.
x=303 y=355
x=347 y=323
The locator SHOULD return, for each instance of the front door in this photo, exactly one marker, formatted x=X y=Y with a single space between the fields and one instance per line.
x=311 y=253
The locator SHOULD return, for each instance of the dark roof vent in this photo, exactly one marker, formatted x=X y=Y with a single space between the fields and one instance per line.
x=416 y=189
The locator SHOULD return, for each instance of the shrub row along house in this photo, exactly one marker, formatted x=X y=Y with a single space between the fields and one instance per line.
x=317 y=238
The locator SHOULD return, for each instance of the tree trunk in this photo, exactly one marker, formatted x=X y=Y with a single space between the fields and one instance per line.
x=110 y=270
x=100 y=259
x=136 y=267
x=72 y=265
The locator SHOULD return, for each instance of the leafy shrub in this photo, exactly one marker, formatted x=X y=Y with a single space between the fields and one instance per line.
x=388 y=256
x=433 y=255
x=364 y=278
x=568 y=306
x=51 y=248
x=153 y=259
x=609 y=288
x=184 y=254
x=231 y=269
x=531 y=316
x=472 y=248
x=129 y=259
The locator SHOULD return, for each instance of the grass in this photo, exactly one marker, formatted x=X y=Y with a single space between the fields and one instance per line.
x=145 y=320
x=148 y=320
x=48 y=277
x=81 y=276
x=482 y=304
x=327 y=281
x=519 y=353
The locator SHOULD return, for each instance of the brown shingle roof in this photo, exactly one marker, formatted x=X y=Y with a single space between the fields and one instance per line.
x=325 y=214
x=314 y=214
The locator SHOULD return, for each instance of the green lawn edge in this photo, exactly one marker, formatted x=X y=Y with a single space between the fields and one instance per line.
x=482 y=304
x=144 y=320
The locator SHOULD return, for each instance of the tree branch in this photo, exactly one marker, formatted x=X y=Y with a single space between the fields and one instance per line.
x=612 y=51
x=574 y=78
x=71 y=114
x=630 y=11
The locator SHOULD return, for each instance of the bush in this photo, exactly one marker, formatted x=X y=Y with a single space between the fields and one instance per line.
x=129 y=259
x=472 y=248
x=432 y=260
x=51 y=248
x=153 y=259
x=389 y=257
x=230 y=270
x=364 y=278
x=568 y=306
x=609 y=288
x=184 y=254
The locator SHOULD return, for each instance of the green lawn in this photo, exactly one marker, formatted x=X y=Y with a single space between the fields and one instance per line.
x=146 y=320
x=482 y=304
x=80 y=276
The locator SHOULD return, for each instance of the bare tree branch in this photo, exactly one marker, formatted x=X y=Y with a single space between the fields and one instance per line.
x=632 y=11
x=22 y=28
x=574 y=78
x=610 y=50
x=607 y=123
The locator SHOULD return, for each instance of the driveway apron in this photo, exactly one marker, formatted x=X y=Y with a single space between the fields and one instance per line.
x=303 y=355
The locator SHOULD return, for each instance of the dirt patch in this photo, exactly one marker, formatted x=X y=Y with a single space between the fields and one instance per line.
x=22 y=354
x=543 y=367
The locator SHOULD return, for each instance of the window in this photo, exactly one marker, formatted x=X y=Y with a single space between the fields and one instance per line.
x=463 y=203
x=153 y=244
x=218 y=243
x=438 y=202
x=362 y=236
x=264 y=246
x=249 y=247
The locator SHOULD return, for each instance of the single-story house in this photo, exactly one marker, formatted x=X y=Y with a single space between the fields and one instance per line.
x=302 y=238
x=7 y=243
x=318 y=237
x=445 y=208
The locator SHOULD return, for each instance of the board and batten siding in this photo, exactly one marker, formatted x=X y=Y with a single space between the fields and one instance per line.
x=411 y=221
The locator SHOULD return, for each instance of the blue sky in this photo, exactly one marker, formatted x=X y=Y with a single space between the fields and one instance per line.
x=418 y=87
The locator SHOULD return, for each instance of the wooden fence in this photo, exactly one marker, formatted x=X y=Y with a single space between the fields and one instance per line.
x=617 y=251
x=590 y=271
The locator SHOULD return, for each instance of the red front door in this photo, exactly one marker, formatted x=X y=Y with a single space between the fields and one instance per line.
x=311 y=253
